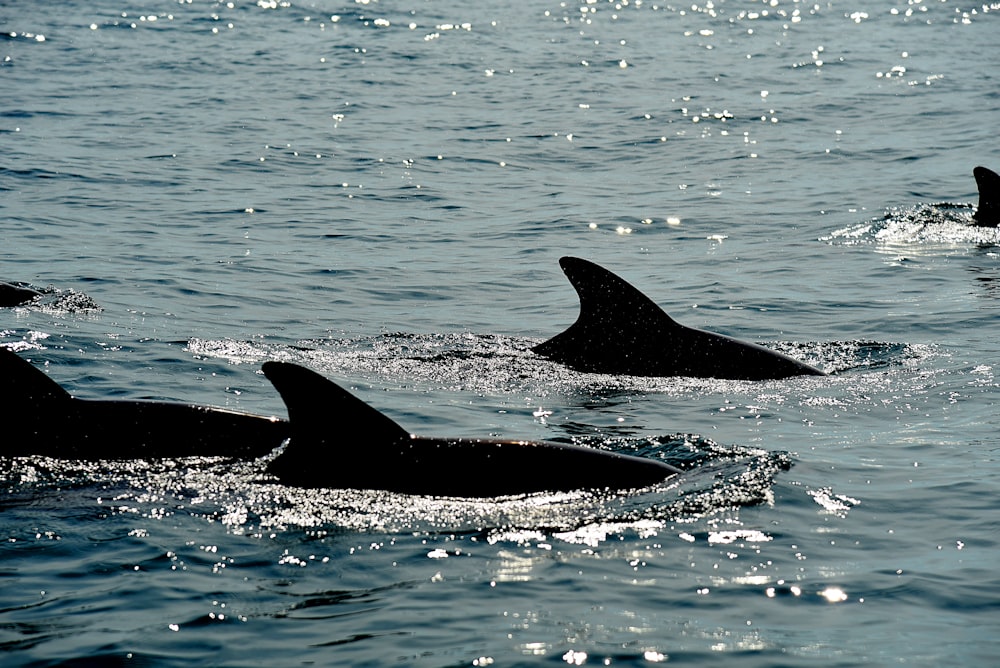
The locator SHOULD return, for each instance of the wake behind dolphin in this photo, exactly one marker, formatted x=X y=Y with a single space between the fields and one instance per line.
x=621 y=331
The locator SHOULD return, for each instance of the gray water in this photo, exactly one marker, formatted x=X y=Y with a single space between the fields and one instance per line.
x=381 y=191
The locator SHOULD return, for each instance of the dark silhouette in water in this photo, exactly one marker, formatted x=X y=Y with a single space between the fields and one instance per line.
x=988 y=212
x=621 y=331
x=338 y=441
x=15 y=294
x=43 y=419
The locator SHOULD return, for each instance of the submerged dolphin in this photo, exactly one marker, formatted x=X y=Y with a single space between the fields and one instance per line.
x=15 y=294
x=338 y=441
x=621 y=331
x=43 y=419
x=988 y=212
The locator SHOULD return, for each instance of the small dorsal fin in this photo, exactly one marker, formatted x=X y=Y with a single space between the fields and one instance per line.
x=612 y=312
x=24 y=384
x=321 y=410
x=988 y=182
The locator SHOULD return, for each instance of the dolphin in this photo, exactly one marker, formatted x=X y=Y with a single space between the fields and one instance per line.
x=339 y=441
x=334 y=440
x=622 y=331
x=15 y=294
x=43 y=419
x=988 y=212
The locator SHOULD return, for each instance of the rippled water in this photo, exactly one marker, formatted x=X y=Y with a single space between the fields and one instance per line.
x=381 y=191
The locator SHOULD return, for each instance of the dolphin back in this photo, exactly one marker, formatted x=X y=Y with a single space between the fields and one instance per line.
x=622 y=331
x=15 y=294
x=43 y=419
x=338 y=441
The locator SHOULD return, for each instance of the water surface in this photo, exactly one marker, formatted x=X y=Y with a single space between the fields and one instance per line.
x=381 y=191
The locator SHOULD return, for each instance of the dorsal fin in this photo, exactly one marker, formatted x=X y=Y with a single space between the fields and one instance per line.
x=988 y=182
x=612 y=313
x=320 y=410
x=605 y=296
x=24 y=384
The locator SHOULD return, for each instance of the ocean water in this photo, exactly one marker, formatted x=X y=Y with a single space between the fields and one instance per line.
x=381 y=191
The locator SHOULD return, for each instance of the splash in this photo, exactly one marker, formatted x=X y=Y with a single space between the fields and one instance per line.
x=924 y=229
x=240 y=496
x=493 y=364
x=54 y=301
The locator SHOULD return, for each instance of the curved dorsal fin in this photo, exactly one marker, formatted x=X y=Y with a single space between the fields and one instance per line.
x=604 y=297
x=612 y=314
x=319 y=410
x=988 y=182
x=22 y=383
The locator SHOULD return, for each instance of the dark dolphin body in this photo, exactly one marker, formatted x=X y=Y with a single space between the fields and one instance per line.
x=41 y=418
x=621 y=331
x=988 y=212
x=15 y=294
x=338 y=441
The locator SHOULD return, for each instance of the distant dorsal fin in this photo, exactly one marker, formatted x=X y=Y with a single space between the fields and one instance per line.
x=612 y=314
x=24 y=384
x=988 y=182
x=320 y=411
